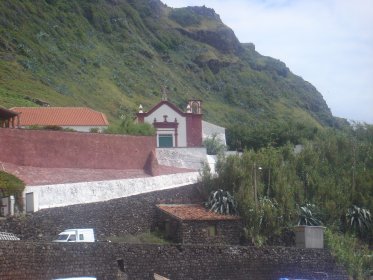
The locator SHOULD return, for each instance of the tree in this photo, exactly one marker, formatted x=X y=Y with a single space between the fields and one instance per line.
x=11 y=185
x=213 y=145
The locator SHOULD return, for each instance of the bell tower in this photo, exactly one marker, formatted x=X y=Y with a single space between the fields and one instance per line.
x=194 y=107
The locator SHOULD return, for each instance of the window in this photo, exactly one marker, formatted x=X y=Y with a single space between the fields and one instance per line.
x=165 y=141
x=81 y=236
x=211 y=231
x=71 y=238
x=62 y=237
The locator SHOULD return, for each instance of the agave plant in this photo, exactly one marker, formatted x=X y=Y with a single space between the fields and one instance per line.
x=359 y=219
x=222 y=202
x=307 y=215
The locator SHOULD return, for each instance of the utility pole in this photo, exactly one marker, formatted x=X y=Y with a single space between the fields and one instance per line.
x=353 y=167
x=255 y=187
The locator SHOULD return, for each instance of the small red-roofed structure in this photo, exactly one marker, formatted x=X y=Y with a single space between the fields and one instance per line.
x=194 y=224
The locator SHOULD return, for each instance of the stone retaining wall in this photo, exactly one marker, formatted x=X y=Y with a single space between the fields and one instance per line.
x=131 y=214
x=27 y=260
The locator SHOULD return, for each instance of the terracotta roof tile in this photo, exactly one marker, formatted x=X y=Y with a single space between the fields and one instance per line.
x=195 y=212
x=61 y=116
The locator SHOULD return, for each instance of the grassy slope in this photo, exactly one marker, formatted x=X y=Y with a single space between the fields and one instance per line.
x=114 y=55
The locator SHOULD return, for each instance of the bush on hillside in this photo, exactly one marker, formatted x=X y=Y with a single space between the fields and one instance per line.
x=129 y=127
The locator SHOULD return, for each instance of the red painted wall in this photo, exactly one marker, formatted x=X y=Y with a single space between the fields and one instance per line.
x=74 y=150
x=194 y=130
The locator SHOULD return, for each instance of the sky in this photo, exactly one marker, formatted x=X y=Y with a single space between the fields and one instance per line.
x=329 y=43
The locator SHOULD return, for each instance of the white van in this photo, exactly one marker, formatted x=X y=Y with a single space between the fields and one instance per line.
x=76 y=235
x=77 y=278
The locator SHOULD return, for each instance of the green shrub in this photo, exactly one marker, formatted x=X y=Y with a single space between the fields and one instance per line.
x=213 y=145
x=94 y=130
x=349 y=252
x=11 y=185
x=140 y=238
x=222 y=202
x=129 y=127
x=308 y=215
x=358 y=220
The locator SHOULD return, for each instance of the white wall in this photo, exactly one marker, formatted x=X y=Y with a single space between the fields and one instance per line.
x=48 y=196
x=182 y=157
x=209 y=129
x=81 y=128
x=167 y=110
x=86 y=128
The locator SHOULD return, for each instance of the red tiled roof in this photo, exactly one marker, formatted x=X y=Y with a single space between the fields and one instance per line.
x=61 y=116
x=193 y=212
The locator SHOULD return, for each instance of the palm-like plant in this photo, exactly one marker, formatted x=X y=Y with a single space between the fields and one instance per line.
x=307 y=215
x=359 y=219
x=222 y=202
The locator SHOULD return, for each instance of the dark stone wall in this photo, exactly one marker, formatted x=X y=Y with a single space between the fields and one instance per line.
x=45 y=260
x=74 y=149
x=114 y=217
x=196 y=232
x=227 y=232
x=31 y=260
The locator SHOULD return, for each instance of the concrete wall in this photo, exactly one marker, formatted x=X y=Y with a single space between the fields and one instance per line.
x=58 y=195
x=182 y=157
x=209 y=130
x=74 y=150
x=27 y=260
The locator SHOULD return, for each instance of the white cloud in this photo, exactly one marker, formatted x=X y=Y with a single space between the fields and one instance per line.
x=327 y=42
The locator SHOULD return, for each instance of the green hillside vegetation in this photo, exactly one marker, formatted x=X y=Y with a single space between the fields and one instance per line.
x=113 y=55
x=328 y=181
x=116 y=54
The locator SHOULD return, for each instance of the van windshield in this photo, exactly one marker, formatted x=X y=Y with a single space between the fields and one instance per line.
x=62 y=237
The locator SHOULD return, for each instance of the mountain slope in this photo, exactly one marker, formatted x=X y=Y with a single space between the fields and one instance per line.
x=113 y=55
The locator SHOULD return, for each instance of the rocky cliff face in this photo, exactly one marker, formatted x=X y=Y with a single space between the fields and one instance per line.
x=222 y=39
x=112 y=55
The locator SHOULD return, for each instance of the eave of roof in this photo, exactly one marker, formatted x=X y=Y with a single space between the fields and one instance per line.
x=193 y=212
x=163 y=102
